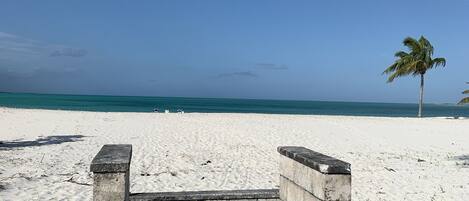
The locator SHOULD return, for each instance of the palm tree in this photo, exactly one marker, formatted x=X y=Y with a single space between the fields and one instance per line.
x=466 y=99
x=415 y=62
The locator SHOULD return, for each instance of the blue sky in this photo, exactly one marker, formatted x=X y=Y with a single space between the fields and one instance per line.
x=308 y=50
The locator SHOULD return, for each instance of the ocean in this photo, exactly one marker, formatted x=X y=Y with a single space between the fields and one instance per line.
x=222 y=105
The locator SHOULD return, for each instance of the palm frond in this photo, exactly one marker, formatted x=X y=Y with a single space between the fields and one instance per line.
x=401 y=54
x=426 y=45
x=398 y=73
x=412 y=44
x=392 y=77
x=390 y=69
x=464 y=101
x=438 y=62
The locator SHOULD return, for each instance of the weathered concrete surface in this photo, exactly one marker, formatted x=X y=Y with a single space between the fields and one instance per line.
x=289 y=191
x=111 y=186
x=110 y=169
x=323 y=186
x=317 y=161
x=308 y=175
x=112 y=158
x=235 y=195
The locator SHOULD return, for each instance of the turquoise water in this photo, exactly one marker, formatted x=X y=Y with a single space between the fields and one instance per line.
x=147 y=104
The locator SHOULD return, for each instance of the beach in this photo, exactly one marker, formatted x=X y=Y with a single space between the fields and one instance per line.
x=45 y=154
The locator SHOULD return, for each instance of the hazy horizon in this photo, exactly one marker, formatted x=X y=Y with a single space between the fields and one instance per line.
x=302 y=50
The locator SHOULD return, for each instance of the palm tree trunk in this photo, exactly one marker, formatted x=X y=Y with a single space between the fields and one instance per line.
x=421 y=96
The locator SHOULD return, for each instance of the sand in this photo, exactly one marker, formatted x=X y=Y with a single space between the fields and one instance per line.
x=45 y=154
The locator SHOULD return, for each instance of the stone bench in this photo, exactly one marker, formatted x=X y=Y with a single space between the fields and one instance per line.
x=305 y=175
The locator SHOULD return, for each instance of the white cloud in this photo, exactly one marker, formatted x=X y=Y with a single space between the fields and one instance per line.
x=24 y=55
x=6 y=35
x=271 y=66
x=238 y=74
x=70 y=52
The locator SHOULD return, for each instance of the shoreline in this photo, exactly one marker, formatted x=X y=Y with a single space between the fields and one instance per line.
x=240 y=113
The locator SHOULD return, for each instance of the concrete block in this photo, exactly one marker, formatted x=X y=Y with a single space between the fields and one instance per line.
x=110 y=169
x=289 y=191
x=111 y=186
x=324 y=177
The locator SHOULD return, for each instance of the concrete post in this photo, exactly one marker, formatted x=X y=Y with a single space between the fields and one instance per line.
x=110 y=169
x=306 y=175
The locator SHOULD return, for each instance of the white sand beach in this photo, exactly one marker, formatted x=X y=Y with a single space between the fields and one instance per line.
x=392 y=158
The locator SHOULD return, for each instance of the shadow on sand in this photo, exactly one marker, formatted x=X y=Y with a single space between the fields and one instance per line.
x=49 y=140
x=462 y=160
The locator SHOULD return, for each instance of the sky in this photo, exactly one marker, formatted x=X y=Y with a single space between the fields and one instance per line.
x=297 y=50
